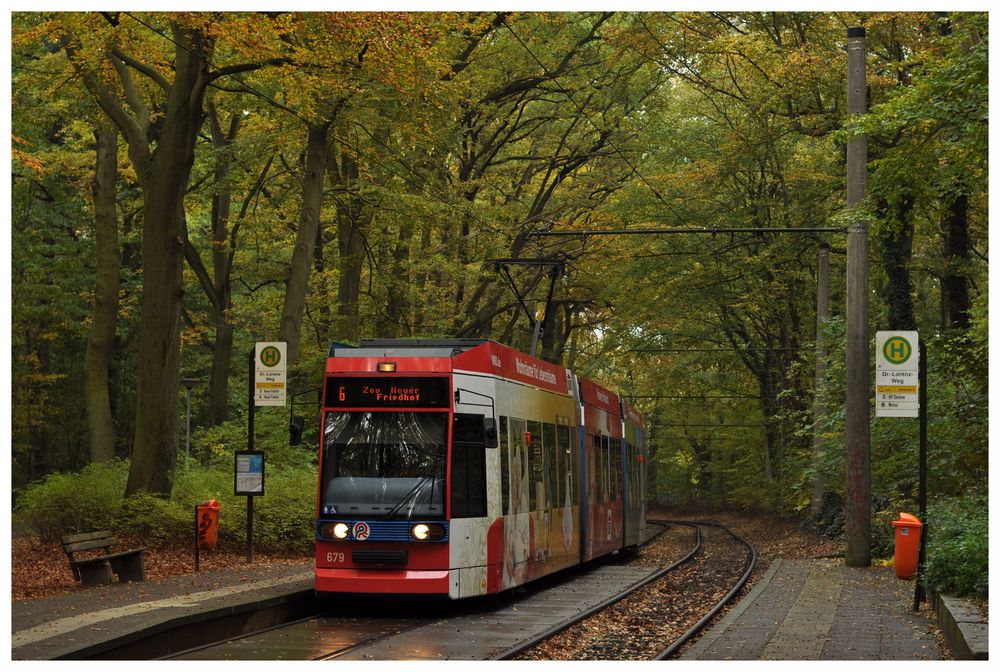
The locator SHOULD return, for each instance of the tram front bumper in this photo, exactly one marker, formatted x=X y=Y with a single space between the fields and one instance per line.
x=382 y=581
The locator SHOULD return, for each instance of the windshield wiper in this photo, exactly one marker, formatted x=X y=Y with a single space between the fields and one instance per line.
x=416 y=488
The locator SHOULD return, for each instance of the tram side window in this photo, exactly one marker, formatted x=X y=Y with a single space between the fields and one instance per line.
x=615 y=455
x=502 y=435
x=468 y=467
x=518 y=467
x=551 y=455
x=573 y=464
x=598 y=469
x=536 y=484
x=590 y=470
x=603 y=457
x=565 y=465
x=630 y=473
x=634 y=477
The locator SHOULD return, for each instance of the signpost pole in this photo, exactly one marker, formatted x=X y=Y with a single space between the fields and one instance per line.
x=250 y=446
x=251 y=403
x=918 y=593
x=249 y=528
x=187 y=431
x=266 y=387
x=197 y=551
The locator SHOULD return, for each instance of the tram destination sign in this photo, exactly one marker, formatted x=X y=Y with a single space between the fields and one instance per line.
x=897 y=374
x=388 y=392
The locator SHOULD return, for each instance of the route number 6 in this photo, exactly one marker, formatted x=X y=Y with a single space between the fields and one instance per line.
x=334 y=557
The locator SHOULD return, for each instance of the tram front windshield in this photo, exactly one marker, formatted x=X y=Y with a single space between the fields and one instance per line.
x=384 y=464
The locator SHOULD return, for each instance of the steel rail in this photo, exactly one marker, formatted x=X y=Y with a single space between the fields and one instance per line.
x=331 y=655
x=538 y=639
x=697 y=627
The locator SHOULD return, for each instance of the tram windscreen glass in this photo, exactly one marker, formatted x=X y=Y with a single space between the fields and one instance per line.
x=387 y=392
x=384 y=464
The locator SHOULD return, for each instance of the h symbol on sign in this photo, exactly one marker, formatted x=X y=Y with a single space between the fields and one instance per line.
x=897 y=349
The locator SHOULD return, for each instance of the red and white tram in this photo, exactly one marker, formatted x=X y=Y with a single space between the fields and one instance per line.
x=464 y=467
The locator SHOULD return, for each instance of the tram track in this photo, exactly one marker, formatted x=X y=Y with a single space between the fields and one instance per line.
x=399 y=630
x=562 y=627
x=329 y=634
x=657 y=619
x=700 y=625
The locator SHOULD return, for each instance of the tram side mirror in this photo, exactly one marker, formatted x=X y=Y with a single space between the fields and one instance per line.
x=490 y=433
x=295 y=428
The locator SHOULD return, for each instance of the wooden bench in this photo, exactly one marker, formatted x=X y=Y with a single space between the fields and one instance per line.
x=96 y=570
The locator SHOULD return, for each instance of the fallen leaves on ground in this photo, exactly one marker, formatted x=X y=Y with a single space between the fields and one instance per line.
x=42 y=569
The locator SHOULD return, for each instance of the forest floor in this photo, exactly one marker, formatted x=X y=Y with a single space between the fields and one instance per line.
x=41 y=569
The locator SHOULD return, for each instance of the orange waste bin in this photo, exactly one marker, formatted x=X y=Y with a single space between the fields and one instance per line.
x=908 y=529
x=208 y=524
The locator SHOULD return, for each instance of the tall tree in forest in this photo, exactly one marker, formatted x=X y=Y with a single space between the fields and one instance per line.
x=339 y=56
x=297 y=282
x=542 y=136
x=100 y=344
x=160 y=118
x=933 y=124
x=216 y=280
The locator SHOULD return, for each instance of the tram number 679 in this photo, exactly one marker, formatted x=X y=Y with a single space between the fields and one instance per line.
x=334 y=557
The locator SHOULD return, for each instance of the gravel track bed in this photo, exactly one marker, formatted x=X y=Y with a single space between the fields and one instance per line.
x=646 y=622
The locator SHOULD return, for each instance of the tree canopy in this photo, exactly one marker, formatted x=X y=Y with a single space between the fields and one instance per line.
x=332 y=176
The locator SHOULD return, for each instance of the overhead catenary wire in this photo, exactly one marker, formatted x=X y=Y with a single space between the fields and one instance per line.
x=786 y=349
x=755 y=397
x=677 y=230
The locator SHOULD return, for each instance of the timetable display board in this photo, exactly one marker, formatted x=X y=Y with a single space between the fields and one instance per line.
x=249 y=472
x=387 y=392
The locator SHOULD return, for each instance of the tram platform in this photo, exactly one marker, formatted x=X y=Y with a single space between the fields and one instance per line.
x=800 y=610
x=821 y=610
x=92 y=621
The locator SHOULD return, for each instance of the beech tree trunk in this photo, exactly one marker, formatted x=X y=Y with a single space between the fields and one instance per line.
x=157 y=428
x=897 y=250
x=350 y=250
x=161 y=149
x=297 y=283
x=101 y=342
x=221 y=295
x=955 y=302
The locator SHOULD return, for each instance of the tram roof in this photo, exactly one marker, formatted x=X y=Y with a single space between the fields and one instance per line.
x=406 y=347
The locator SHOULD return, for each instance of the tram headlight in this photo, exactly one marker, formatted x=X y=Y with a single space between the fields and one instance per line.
x=427 y=531
x=333 y=530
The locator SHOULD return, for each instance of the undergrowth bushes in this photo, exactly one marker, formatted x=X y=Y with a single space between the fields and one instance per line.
x=92 y=500
x=958 y=546
x=63 y=503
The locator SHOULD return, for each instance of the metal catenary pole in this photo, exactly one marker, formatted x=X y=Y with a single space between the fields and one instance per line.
x=858 y=378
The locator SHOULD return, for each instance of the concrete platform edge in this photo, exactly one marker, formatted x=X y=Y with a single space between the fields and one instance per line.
x=965 y=630
x=707 y=639
x=183 y=630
